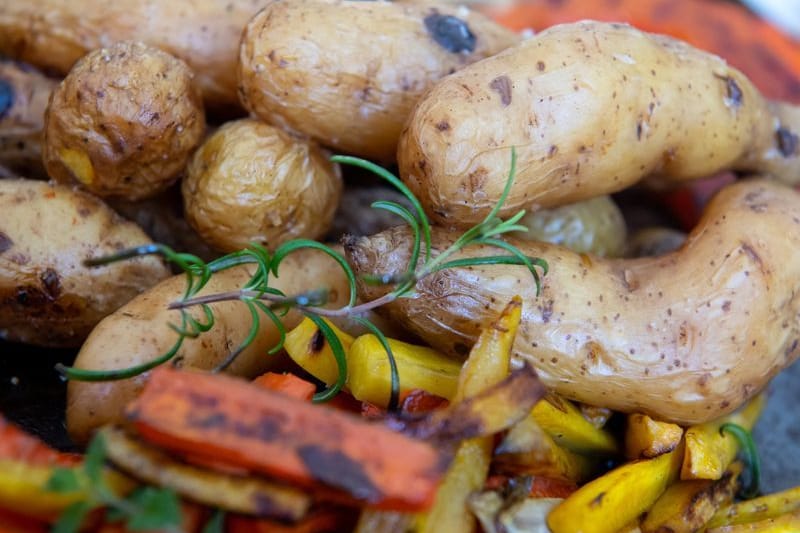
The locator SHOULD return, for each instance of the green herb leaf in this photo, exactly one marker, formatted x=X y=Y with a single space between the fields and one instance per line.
x=394 y=394
x=95 y=459
x=71 y=519
x=747 y=446
x=64 y=480
x=338 y=354
x=155 y=509
x=216 y=524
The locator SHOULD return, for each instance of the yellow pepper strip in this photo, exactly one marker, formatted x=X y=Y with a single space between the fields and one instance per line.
x=687 y=506
x=527 y=449
x=418 y=367
x=646 y=438
x=488 y=364
x=306 y=345
x=563 y=421
x=786 y=523
x=709 y=452
x=612 y=501
x=757 y=509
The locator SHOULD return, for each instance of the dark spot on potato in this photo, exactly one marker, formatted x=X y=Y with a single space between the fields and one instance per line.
x=317 y=342
x=442 y=125
x=787 y=142
x=752 y=254
x=451 y=33
x=726 y=305
x=540 y=66
x=5 y=242
x=51 y=283
x=639 y=130
x=791 y=350
x=502 y=85
x=6 y=97
x=547 y=311
x=461 y=349
x=733 y=92
x=336 y=469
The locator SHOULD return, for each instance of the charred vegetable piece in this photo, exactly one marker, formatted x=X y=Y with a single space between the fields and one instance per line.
x=610 y=502
x=758 y=509
x=646 y=438
x=241 y=424
x=785 y=523
x=709 y=451
x=686 y=506
x=249 y=495
x=569 y=428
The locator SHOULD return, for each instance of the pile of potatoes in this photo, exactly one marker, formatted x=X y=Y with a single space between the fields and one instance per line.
x=152 y=104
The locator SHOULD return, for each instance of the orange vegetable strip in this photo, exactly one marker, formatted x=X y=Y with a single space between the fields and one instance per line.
x=235 y=422
x=18 y=445
x=288 y=384
x=11 y=522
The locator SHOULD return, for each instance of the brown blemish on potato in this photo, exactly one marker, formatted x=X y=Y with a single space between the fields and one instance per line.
x=540 y=66
x=787 y=142
x=733 y=93
x=5 y=242
x=442 y=125
x=51 y=283
x=6 y=97
x=451 y=33
x=502 y=85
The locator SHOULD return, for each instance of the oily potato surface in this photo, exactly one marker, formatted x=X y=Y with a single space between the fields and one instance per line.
x=139 y=332
x=54 y=34
x=123 y=122
x=633 y=335
x=348 y=73
x=252 y=182
x=24 y=93
x=591 y=109
x=47 y=296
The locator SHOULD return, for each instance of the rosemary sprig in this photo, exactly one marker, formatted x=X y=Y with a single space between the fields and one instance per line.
x=747 y=446
x=266 y=301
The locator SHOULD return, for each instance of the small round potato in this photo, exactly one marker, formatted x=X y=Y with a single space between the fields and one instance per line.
x=348 y=73
x=252 y=182
x=124 y=122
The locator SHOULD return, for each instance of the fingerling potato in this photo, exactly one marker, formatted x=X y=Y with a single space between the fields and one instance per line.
x=23 y=98
x=591 y=108
x=347 y=73
x=252 y=182
x=47 y=296
x=123 y=122
x=685 y=337
x=139 y=332
x=54 y=34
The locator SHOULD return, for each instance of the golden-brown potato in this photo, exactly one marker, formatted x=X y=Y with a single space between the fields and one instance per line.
x=593 y=226
x=348 y=73
x=23 y=98
x=54 y=34
x=685 y=337
x=123 y=122
x=139 y=332
x=252 y=182
x=591 y=108
x=47 y=296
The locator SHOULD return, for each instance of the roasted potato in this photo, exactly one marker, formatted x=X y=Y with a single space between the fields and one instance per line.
x=591 y=108
x=54 y=34
x=23 y=98
x=592 y=226
x=140 y=331
x=630 y=334
x=252 y=182
x=123 y=122
x=47 y=296
x=348 y=73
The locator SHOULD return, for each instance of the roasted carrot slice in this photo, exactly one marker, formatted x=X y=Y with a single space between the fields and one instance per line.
x=288 y=384
x=11 y=522
x=245 y=425
x=18 y=445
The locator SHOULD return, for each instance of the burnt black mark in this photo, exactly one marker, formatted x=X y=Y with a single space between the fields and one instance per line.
x=6 y=98
x=5 y=242
x=502 y=85
x=442 y=125
x=51 y=283
x=451 y=33
x=266 y=507
x=461 y=349
x=734 y=92
x=639 y=130
x=266 y=428
x=787 y=142
x=28 y=296
x=336 y=469
x=317 y=342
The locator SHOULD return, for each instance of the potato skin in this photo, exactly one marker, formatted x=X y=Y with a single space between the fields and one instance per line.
x=123 y=122
x=141 y=329
x=634 y=335
x=54 y=34
x=252 y=182
x=24 y=93
x=348 y=73
x=47 y=296
x=591 y=109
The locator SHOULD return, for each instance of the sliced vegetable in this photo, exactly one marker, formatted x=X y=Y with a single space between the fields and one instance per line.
x=232 y=421
x=709 y=452
x=419 y=367
x=758 y=509
x=306 y=345
x=18 y=445
x=686 y=506
x=288 y=384
x=611 y=501
x=496 y=515
x=319 y=521
x=487 y=365
x=646 y=438
x=563 y=421
x=785 y=523
x=249 y=495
